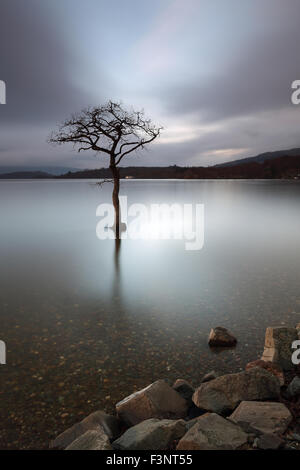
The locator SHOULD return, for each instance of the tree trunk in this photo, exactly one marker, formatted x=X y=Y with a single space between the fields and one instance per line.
x=115 y=198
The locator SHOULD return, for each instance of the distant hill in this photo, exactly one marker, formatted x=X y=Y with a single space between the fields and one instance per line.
x=262 y=157
x=52 y=170
x=138 y=172
x=280 y=167
x=25 y=175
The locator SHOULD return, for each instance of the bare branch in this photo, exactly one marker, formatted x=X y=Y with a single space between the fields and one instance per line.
x=100 y=183
x=108 y=129
x=141 y=144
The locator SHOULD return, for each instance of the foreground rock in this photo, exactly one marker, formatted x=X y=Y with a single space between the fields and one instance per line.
x=152 y=434
x=158 y=400
x=224 y=393
x=293 y=389
x=212 y=432
x=184 y=389
x=268 y=442
x=91 y=440
x=210 y=376
x=220 y=336
x=95 y=421
x=269 y=366
x=262 y=417
x=278 y=346
x=154 y=412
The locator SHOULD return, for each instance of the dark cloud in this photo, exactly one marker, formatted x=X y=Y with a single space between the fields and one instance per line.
x=220 y=78
x=257 y=79
x=36 y=63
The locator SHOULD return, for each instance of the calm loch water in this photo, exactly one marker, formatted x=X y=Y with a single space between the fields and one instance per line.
x=86 y=325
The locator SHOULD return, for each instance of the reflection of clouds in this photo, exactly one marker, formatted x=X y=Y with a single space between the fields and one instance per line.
x=116 y=275
x=59 y=244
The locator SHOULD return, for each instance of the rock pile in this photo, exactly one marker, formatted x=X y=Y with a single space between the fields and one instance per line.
x=254 y=409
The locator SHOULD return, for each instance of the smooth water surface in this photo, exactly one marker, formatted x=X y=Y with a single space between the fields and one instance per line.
x=86 y=324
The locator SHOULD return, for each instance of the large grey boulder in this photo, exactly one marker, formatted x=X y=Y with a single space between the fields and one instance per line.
x=152 y=434
x=212 y=432
x=95 y=421
x=91 y=440
x=278 y=346
x=158 y=400
x=224 y=393
x=220 y=336
x=262 y=417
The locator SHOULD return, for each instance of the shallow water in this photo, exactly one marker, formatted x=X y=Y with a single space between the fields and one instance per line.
x=85 y=325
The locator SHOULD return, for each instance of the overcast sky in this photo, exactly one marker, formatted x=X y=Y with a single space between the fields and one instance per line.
x=216 y=74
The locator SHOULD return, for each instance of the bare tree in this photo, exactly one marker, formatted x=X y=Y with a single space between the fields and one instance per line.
x=112 y=130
